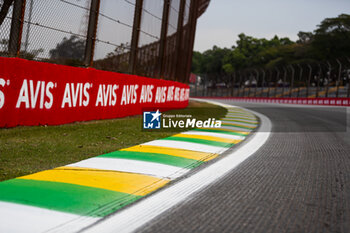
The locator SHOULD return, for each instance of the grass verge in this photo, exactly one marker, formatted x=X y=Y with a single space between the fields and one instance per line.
x=26 y=150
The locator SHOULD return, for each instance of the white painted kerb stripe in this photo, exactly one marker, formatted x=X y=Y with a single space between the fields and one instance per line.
x=240 y=118
x=22 y=218
x=238 y=129
x=134 y=166
x=187 y=146
x=136 y=216
x=219 y=135
x=240 y=115
x=240 y=123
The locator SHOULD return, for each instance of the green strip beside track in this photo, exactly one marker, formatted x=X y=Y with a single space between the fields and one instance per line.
x=70 y=198
x=237 y=126
x=154 y=157
x=200 y=141
x=221 y=131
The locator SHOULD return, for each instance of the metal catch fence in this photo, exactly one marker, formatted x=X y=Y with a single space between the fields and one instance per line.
x=152 y=38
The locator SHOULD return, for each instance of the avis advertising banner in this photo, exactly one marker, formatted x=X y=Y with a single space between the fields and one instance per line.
x=37 y=93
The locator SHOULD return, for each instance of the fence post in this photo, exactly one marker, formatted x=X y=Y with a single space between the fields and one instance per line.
x=257 y=81
x=203 y=82
x=135 y=36
x=276 y=84
x=192 y=34
x=16 y=28
x=268 y=83
x=308 y=80
x=163 y=39
x=300 y=78
x=250 y=83
x=195 y=88
x=242 y=84
x=28 y=25
x=263 y=82
x=318 y=81
x=284 y=80
x=291 y=82
x=329 y=77
x=233 y=75
x=348 y=94
x=91 y=33
x=176 y=69
x=339 y=77
x=239 y=85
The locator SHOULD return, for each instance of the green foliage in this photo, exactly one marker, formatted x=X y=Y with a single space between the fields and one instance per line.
x=30 y=55
x=70 y=51
x=329 y=41
x=332 y=37
x=211 y=61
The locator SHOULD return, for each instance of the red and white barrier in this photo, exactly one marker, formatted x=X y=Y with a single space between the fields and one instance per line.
x=302 y=101
x=38 y=93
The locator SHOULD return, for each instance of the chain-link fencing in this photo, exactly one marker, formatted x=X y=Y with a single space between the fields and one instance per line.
x=152 y=38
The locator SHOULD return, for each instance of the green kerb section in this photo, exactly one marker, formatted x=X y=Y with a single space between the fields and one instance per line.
x=155 y=157
x=221 y=131
x=69 y=198
x=200 y=141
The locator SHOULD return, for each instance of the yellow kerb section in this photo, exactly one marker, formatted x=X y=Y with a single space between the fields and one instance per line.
x=202 y=156
x=131 y=183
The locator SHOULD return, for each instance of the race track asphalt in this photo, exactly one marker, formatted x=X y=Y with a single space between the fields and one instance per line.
x=298 y=181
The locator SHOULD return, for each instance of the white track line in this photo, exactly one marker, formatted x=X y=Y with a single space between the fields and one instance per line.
x=22 y=218
x=187 y=146
x=134 y=166
x=136 y=216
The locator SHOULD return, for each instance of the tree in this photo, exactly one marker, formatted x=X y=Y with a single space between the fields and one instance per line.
x=212 y=60
x=69 y=51
x=196 y=62
x=305 y=37
x=332 y=37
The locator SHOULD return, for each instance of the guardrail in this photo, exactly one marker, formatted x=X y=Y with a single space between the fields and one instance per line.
x=306 y=80
x=302 y=101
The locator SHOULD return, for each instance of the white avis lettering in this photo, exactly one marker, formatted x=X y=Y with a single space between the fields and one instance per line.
x=36 y=94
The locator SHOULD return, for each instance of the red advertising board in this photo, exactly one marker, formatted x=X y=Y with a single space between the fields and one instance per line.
x=38 y=93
